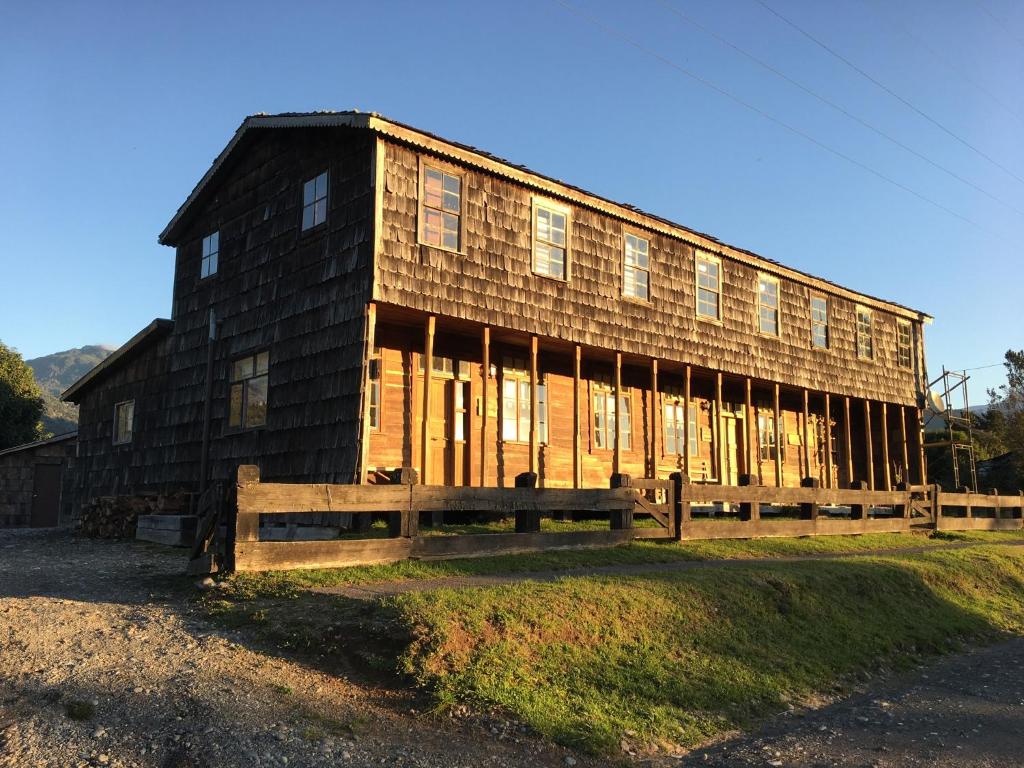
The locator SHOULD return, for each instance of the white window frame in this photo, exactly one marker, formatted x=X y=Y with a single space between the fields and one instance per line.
x=514 y=371
x=904 y=349
x=819 y=324
x=606 y=392
x=318 y=214
x=764 y=279
x=635 y=268
x=865 y=351
x=543 y=204
x=421 y=223
x=211 y=255
x=117 y=437
x=704 y=256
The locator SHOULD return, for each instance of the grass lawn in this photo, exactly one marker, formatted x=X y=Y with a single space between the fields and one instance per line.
x=660 y=661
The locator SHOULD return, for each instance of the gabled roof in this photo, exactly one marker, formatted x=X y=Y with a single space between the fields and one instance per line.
x=482 y=160
x=151 y=333
x=40 y=443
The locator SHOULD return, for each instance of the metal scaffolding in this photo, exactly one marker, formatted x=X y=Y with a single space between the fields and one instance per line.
x=958 y=422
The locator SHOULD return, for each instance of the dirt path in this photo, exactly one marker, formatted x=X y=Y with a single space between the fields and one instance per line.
x=104 y=626
x=965 y=711
x=382 y=589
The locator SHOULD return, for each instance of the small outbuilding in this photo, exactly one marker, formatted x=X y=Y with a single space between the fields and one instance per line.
x=36 y=489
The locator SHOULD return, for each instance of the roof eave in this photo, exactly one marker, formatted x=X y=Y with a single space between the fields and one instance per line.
x=159 y=327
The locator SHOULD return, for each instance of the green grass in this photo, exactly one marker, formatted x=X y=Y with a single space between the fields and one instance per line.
x=638 y=552
x=676 y=659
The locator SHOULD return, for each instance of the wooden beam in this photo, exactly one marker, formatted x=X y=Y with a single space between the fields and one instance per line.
x=617 y=457
x=887 y=475
x=364 y=439
x=533 y=405
x=428 y=367
x=686 y=429
x=577 y=443
x=654 y=418
x=903 y=445
x=807 y=443
x=719 y=442
x=485 y=345
x=778 y=436
x=870 y=461
x=848 y=439
x=828 y=441
x=748 y=444
x=922 y=464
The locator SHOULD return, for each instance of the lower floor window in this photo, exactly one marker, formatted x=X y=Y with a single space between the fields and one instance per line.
x=248 y=405
x=767 y=439
x=124 y=422
x=516 y=405
x=604 y=420
x=678 y=429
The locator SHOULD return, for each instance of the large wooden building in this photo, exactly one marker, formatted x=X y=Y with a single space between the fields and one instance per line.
x=353 y=295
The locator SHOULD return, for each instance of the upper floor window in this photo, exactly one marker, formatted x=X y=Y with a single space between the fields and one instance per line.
x=904 y=344
x=865 y=341
x=517 y=406
x=768 y=305
x=314 y=202
x=679 y=428
x=211 y=254
x=550 y=248
x=709 y=286
x=819 y=322
x=124 y=422
x=604 y=417
x=636 y=275
x=374 y=375
x=441 y=209
x=248 y=404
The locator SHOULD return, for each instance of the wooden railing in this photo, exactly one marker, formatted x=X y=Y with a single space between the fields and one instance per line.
x=1003 y=513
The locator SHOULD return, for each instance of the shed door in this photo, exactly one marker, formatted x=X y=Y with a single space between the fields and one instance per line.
x=45 y=495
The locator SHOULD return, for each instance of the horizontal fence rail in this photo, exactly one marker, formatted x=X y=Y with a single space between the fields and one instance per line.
x=745 y=511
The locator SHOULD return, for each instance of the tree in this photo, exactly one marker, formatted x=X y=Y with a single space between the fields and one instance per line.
x=1003 y=424
x=21 y=401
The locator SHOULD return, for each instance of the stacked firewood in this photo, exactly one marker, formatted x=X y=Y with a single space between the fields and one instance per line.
x=115 y=517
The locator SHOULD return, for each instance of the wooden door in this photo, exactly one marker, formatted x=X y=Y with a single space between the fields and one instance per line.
x=45 y=496
x=439 y=450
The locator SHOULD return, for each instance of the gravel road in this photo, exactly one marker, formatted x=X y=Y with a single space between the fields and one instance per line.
x=102 y=630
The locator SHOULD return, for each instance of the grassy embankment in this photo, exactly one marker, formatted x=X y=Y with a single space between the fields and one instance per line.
x=659 y=660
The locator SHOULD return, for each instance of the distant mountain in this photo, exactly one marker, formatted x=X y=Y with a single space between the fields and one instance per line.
x=57 y=372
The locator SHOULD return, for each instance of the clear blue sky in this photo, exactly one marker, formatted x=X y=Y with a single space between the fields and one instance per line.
x=113 y=111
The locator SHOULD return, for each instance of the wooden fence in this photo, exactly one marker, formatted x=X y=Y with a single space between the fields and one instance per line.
x=681 y=510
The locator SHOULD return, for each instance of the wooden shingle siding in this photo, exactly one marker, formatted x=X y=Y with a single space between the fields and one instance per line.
x=492 y=283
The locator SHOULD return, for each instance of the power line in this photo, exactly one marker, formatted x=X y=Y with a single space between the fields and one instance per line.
x=839 y=108
x=943 y=60
x=887 y=89
x=747 y=105
x=1001 y=23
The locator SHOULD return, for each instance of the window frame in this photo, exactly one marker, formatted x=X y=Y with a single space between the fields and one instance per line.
x=626 y=234
x=375 y=379
x=243 y=382
x=213 y=256
x=421 y=203
x=691 y=432
x=766 y=278
x=902 y=324
x=599 y=386
x=827 y=323
x=303 y=229
x=114 y=432
x=862 y=310
x=521 y=378
x=711 y=258
x=764 y=449
x=543 y=203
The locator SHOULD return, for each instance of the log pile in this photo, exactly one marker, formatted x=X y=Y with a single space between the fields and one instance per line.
x=115 y=517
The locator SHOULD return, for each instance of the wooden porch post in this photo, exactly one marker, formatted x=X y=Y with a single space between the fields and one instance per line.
x=903 y=445
x=617 y=456
x=778 y=437
x=719 y=442
x=428 y=368
x=577 y=457
x=887 y=476
x=533 y=405
x=654 y=417
x=869 y=444
x=922 y=464
x=364 y=441
x=848 y=439
x=828 y=441
x=485 y=345
x=748 y=444
x=807 y=443
x=686 y=429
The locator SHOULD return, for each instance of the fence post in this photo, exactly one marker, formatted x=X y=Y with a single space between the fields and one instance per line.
x=937 y=505
x=809 y=510
x=528 y=520
x=404 y=522
x=750 y=511
x=681 y=512
x=903 y=510
x=859 y=511
x=997 y=511
x=968 y=507
x=621 y=519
